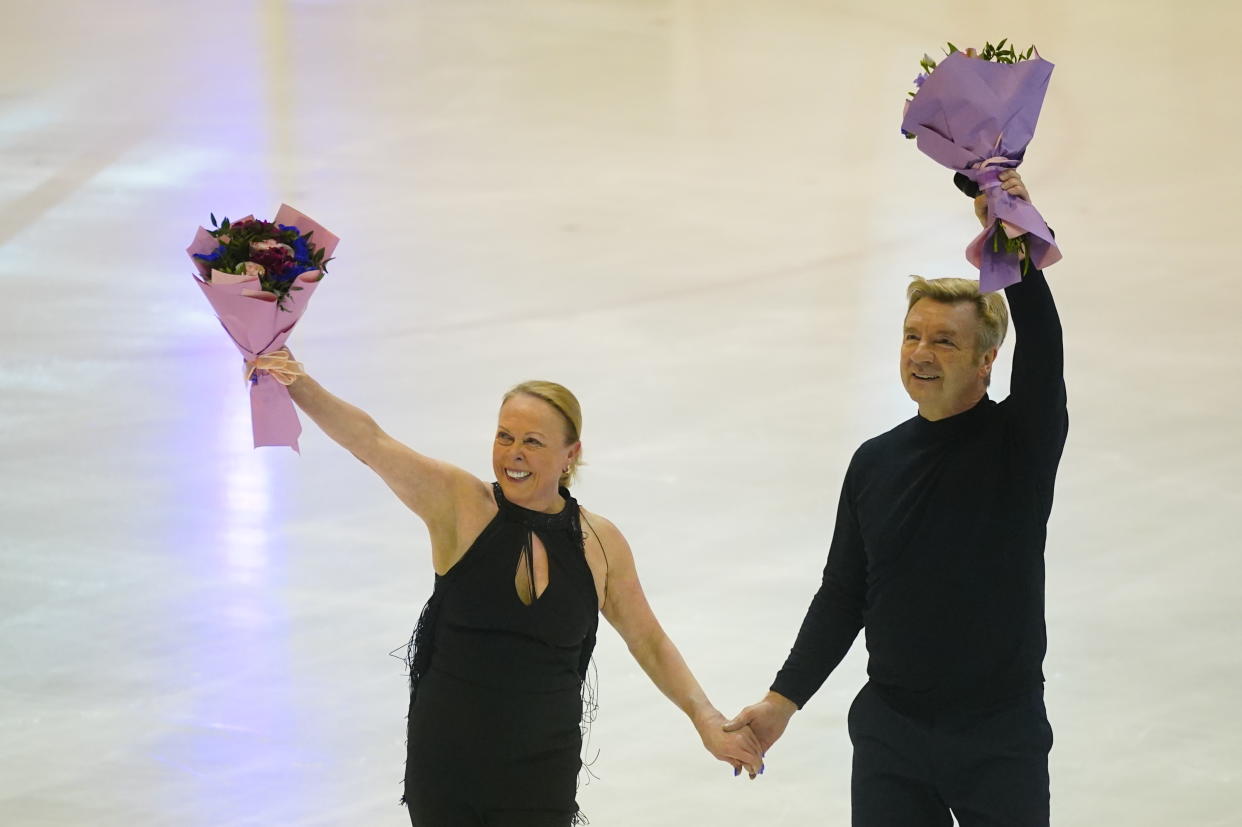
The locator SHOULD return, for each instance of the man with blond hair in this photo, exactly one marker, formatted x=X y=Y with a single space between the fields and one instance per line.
x=938 y=553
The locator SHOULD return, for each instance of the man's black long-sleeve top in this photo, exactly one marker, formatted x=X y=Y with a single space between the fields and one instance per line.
x=939 y=541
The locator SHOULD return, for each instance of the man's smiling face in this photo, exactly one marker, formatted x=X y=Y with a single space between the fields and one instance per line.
x=941 y=367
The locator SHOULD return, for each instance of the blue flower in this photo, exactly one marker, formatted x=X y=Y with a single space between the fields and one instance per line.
x=214 y=255
x=918 y=81
x=291 y=273
x=301 y=250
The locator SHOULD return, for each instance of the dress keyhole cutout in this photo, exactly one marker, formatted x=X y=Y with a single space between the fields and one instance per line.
x=522 y=579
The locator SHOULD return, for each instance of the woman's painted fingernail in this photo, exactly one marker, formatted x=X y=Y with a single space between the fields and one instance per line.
x=737 y=771
x=761 y=769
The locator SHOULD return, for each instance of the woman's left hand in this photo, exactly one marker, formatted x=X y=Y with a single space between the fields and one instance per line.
x=739 y=750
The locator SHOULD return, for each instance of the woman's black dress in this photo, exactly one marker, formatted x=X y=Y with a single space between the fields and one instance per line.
x=496 y=684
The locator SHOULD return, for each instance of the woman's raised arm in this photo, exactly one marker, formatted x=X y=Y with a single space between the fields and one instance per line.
x=432 y=489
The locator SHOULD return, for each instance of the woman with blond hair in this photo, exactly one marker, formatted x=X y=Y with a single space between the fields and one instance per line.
x=499 y=659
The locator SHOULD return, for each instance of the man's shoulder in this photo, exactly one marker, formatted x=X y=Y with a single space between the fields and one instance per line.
x=881 y=445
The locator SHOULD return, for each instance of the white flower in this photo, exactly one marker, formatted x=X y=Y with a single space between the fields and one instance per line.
x=270 y=244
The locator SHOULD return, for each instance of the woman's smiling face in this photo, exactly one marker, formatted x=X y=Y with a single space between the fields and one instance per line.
x=530 y=452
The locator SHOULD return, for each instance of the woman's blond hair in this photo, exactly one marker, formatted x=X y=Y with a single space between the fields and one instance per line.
x=566 y=404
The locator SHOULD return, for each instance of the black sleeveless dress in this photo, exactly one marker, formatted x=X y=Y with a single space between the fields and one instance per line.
x=496 y=684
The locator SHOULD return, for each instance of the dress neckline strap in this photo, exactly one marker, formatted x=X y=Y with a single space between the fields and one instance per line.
x=563 y=520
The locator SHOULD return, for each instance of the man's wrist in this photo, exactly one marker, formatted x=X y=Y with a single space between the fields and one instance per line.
x=782 y=703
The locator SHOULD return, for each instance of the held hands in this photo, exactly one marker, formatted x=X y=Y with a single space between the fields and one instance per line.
x=767 y=719
x=738 y=748
x=1011 y=182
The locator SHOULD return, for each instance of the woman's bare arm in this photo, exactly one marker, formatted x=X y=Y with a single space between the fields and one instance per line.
x=627 y=609
x=432 y=489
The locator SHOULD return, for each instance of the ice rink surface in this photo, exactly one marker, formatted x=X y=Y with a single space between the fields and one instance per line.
x=700 y=217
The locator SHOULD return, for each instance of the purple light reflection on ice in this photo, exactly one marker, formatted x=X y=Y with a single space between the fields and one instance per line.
x=238 y=743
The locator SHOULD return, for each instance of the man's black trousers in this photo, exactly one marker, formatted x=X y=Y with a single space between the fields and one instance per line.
x=988 y=767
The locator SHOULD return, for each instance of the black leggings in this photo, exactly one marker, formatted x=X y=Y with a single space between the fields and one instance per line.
x=989 y=768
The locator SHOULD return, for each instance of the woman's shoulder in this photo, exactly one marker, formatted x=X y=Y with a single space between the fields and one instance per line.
x=597 y=521
x=604 y=531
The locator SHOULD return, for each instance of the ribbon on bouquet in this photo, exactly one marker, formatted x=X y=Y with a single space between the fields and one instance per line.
x=278 y=364
x=999 y=268
x=989 y=179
